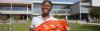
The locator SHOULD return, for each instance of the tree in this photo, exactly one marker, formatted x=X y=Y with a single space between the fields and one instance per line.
x=95 y=12
x=59 y=16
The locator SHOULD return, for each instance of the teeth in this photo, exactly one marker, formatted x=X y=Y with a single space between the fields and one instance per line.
x=45 y=10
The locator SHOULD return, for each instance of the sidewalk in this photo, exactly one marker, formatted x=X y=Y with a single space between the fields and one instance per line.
x=82 y=22
x=12 y=22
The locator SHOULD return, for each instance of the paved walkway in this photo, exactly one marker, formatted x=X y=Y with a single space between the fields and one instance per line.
x=12 y=22
x=82 y=22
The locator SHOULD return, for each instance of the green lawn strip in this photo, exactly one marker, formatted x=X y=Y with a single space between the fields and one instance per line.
x=4 y=27
x=25 y=27
x=85 y=27
x=21 y=27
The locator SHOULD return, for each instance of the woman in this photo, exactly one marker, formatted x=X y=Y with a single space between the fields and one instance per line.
x=39 y=22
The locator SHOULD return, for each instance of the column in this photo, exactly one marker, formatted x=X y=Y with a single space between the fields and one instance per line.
x=27 y=17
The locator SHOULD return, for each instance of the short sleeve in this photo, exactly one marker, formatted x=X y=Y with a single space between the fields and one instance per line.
x=32 y=23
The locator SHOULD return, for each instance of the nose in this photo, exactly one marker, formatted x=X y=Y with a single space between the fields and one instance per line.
x=45 y=7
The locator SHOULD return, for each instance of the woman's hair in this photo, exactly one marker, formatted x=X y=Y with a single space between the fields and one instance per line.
x=47 y=1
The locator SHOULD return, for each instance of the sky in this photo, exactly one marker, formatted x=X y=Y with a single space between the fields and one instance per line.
x=65 y=0
x=72 y=1
x=69 y=1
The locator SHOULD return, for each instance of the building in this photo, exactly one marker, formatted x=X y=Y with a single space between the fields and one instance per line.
x=75 y=11
x=26 y=9
x=15 y=9
x=86 y=6
x=85 y=9
x=59 y=8
x=95 y=3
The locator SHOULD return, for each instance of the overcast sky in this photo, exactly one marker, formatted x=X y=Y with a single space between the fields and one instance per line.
x=70 y=1
x=62 y=0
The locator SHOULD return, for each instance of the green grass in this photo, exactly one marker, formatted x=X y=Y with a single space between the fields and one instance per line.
x=85 y=27
x=21 y=27
x=16 y=27
x=25 y=27
x=4 y=27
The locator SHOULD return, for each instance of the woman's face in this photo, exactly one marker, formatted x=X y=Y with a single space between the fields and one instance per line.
x=46 y=7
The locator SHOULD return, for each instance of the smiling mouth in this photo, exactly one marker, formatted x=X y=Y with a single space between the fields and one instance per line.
x=45 y=11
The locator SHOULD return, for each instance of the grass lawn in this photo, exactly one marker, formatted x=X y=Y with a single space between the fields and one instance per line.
x=85 y=27
x=16 y=27
x=4 y=27
x=25 y=27
x=21 y=27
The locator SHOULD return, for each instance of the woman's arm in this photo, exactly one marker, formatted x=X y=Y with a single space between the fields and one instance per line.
x=31 y=29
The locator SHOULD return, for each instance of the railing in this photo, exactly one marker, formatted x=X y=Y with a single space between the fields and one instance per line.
x=13 y=10
x=38 y=11
x=53 y=11
x=85 y=4
x=84 y=10
x=16 y=11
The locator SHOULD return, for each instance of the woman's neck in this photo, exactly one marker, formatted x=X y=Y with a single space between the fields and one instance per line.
x=45 y=16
